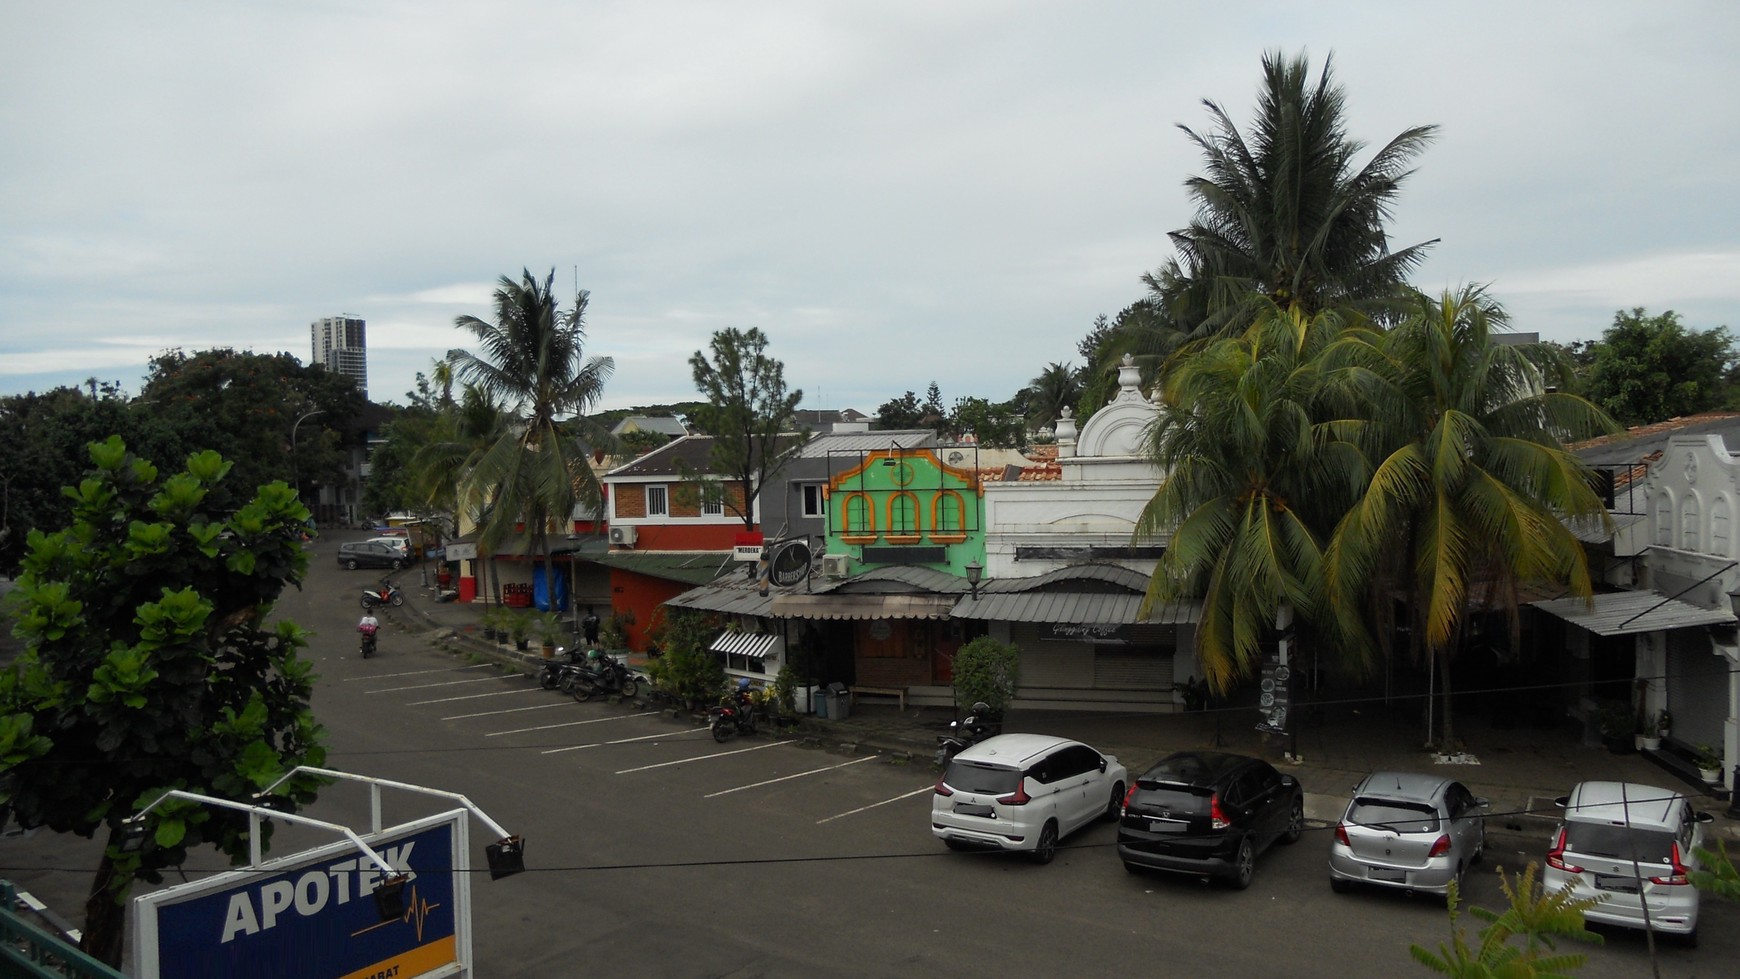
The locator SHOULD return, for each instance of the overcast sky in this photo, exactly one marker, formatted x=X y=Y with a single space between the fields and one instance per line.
x=895 y=192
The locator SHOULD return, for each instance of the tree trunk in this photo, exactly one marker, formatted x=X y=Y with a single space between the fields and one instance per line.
x=1448 y=741
x=105 y=917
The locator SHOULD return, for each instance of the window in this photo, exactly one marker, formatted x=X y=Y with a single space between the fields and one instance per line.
x=812 y=493
x=947 y=519
x=658 y=502
x=1719 y=535
x=902 y=514
x=858 y=517
x=1689 y=524
x=712 y=508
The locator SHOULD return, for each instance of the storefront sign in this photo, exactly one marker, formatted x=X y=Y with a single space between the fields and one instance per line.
x=1275 y=692
x=462 y=551
x=1100 y=633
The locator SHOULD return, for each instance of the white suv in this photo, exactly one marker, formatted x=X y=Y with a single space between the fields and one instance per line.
x=1024 y=792
x=1630 y=846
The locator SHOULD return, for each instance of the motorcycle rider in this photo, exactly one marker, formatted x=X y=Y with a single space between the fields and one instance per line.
x=368 y=626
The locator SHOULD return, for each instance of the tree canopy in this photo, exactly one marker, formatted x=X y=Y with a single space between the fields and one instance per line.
x=748 y=408
x=1648 y=369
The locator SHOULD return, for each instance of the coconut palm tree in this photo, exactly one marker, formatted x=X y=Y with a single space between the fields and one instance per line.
x=1255 y=470
x=533 y=362
x=1285 y=214
x=1470 y=482
x=1058 y=387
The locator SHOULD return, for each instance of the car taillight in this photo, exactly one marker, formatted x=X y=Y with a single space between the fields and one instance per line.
x=1679 y=870
x=1130 y=794
x=943 y=789
x=1556 y=856
x=1440 y=846
x=1216 y=815
x=1341 y=834
x=1019 y=797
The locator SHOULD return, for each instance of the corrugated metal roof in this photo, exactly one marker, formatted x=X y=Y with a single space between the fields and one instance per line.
x=1627 y=613
x=693 y=567
x=1114 y=574
x=836 y=443
x=738 y=596
x=837 y=606
x=1590 y=530
x=883 y=578
x=753 y=644
x=1071 y=607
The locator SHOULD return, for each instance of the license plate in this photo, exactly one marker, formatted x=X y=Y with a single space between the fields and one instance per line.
x=1167 y=825
x=968 y=809
x=1623 y=885
x=1387 y=875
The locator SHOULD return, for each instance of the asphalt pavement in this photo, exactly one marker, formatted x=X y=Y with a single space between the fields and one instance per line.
x=1518 y=770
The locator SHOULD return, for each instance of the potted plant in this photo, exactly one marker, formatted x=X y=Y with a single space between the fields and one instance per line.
x=443 y=574
x=1664 y=722
x=488 y=620
x=1615 y=724
x=1709 y=762
x=548 y=629
x=502 y=618
x=520 y=627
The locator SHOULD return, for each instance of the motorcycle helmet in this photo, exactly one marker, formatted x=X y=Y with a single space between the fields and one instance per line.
x=980 y=707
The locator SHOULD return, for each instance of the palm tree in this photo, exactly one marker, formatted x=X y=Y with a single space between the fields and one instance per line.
x=1470 y=482
x=1058 y=387
x=1285 y=214
x=1254 y=473
x=533 y=362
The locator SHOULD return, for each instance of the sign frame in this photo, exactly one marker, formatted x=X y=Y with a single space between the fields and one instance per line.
x=146 y=910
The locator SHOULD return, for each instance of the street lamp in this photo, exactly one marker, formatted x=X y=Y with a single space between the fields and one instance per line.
x=975 y=571
x=295 y=470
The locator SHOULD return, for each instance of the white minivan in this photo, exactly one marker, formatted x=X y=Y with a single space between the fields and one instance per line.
x=1630 y=846
x=1024 y=792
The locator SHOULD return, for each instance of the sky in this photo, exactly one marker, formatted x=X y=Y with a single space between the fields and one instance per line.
x=896 y=192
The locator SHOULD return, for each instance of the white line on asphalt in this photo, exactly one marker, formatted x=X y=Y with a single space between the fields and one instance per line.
x=685 y=761
x=884 y=802
x=787 y=778
x=425 y=686
x=389 y=676
x=550 y=727
x=470 y=696
x=673 y=736
x=509 y=710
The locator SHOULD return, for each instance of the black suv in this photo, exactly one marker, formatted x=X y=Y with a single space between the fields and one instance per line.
x=1209 y=814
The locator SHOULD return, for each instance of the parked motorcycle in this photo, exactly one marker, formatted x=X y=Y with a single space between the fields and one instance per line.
x=736 y=717
x=386 y=594
x=602 y=674
x=966 y=732
x=551 y=675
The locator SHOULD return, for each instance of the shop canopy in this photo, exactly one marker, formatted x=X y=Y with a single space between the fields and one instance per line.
x=752 y=644
x=1628 y=613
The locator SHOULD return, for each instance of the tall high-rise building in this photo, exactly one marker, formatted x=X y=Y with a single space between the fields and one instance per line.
x=340 y=345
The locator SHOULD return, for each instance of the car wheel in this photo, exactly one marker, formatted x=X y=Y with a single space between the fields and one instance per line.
x=1479 y=850
x=1690 y=939
x=397 y=564
x=1340 y=885
x=1131 y=868
x=351 y=564
x=1115 y=805
x=1047 y=847
x=1295 y=822
x=1244 y=865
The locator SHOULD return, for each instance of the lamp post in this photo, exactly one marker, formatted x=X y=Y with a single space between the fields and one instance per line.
x=975 y=571
x=295 y=469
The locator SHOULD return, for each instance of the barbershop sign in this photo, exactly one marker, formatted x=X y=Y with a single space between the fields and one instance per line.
x=1099 y=633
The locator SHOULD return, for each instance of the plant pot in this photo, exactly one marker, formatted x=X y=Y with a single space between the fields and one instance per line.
x=522 y=644
x=1619 y=744
x=1637 y=742
x=1648 y=742
x=1710 y=775
x=549 y=650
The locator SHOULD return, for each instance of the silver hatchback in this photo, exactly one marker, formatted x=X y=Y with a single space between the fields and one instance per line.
x=1409 y=831
x=1631 y=847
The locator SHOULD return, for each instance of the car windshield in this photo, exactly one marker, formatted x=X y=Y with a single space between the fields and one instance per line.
x=1179 y=799
x=1397 y=817
x=1617 y=842
x=977 y=777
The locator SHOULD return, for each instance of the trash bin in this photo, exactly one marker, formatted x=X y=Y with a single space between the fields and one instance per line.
x=819 y=699
x=839 y=702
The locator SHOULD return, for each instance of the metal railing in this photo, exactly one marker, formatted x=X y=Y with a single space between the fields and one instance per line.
x=27 y=950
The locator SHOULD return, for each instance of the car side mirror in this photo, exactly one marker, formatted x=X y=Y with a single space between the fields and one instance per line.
x=1482 y=804
x=1704 y=817
x=1102 y=766
x=1563 y=801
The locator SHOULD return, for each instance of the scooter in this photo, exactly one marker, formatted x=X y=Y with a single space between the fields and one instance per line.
x=736 y=717
x=551 y=676
x=602 y=674
x=386 y=594
x=368 y=639
x=966 y=732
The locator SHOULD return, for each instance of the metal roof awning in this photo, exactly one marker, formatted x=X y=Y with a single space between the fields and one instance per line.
x=731 y=599
x=752 y=644
x=1075 y=608
x=1628 y=613
x=837 y=606
x=691 y=567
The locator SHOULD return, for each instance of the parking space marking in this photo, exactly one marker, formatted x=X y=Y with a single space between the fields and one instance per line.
x=551 y=727
x=505 y=710
x=389 y=676
x=873 y=805
x=787 y=778
x=685 y=761
x=671 y=735
x=474 y=696
x=425 y=686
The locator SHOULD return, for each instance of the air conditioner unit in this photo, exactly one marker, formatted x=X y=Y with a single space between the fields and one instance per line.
x=835 y=565
x=622 y=535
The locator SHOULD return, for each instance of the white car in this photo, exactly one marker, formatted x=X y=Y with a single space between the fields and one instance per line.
x=1024 y=792
x=400 y=544
x=1631 y=846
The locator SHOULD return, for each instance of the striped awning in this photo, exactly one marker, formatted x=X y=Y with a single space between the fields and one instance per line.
x=755 y=645
x=1628 y=613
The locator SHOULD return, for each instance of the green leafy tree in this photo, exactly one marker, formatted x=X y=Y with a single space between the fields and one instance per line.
x=149 y=664
x=1285 y=214
x=1718 y=874
x=900 y=413
x=1651 y=368
x=1534 y=917
x=994 y=426
x=1057 y=387
x=44 y=451
x=748 y=409
x=1470 y=481
x=533 y=363
x=684 y=666
x=987 y=670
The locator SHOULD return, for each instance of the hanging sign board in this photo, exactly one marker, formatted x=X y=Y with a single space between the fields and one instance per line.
x=462 y=551
x=312 y=915
x=1275 y=691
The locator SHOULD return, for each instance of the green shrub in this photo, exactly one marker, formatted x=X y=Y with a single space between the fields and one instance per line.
x=687 y=669
x=987 y=670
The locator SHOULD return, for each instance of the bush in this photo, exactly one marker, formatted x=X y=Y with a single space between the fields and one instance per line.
x=687 y=670
x=987 y=670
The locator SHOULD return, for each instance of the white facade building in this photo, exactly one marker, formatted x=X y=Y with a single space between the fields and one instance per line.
x=340 y=344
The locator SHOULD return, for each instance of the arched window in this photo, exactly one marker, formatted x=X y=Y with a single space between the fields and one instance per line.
x=946 y=523
x=1663 y=504
x=1721 y=541
x=1689 y=524
x=902 y=515
x=857 y=516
